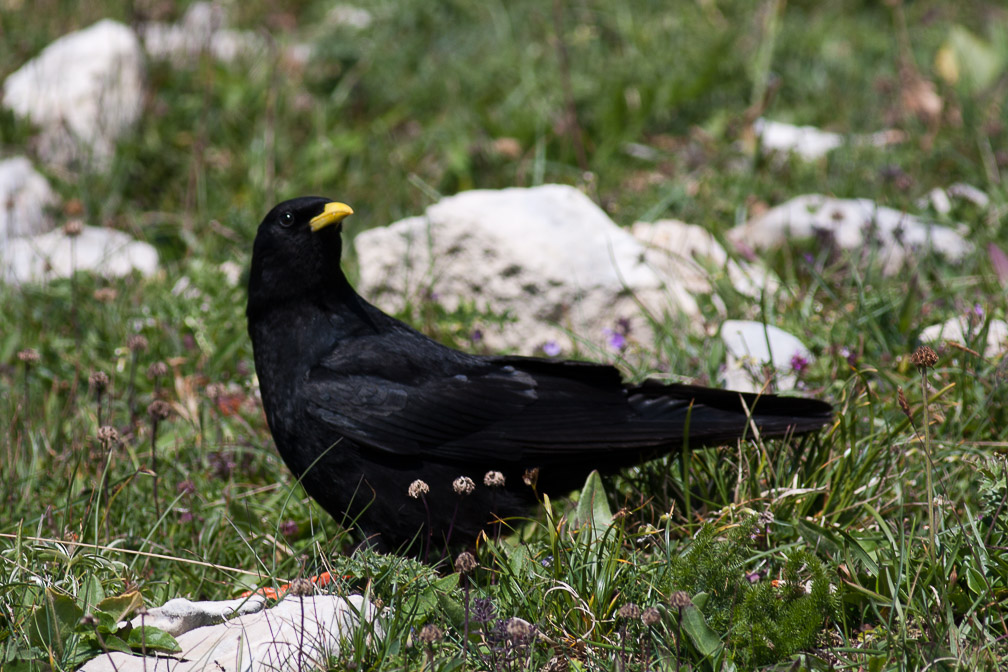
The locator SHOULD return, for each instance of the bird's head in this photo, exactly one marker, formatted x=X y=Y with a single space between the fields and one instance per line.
x=297 y=249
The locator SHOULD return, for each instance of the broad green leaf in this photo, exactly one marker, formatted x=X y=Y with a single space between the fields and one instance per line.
x=52 y=621
x=593 y=506
x=113 y=610
x=149 y=638
x=704 y=639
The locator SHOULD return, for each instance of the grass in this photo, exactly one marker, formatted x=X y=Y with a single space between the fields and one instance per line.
x=895 y=518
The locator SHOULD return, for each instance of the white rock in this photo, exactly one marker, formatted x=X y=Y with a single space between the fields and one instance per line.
x=969 y=193
x=964 y=330
x=547 y=256
x=83 y=91
x=811 y=143
x=298 y=633
x=350 y=16
x=807 y=142
x=55 y=255
x=25 y=197
x=180 y=615
x=751 y=346
x=878 y=232
x=202 y=28
x=690 y=255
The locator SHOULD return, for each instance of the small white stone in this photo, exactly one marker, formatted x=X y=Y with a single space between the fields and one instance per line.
x=750 y=346
x=807 y=142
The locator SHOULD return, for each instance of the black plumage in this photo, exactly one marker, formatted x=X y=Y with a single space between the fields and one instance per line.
x=360 y=404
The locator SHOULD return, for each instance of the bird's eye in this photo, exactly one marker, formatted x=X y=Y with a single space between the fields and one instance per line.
x=287 y=218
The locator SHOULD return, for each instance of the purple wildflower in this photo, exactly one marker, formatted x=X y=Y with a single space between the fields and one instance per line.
x=551 y=348
x=799 y=363
x=616 y=340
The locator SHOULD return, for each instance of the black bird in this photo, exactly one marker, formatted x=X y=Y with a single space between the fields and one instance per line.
x=360 y=405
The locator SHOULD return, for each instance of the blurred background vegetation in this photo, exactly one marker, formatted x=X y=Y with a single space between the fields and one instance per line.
x=647 y=107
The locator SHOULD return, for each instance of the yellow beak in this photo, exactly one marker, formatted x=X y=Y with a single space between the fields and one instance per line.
x=334 y=213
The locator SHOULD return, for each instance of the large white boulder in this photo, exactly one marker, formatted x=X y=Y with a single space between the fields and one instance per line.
x=547 y=256
x=83 y=91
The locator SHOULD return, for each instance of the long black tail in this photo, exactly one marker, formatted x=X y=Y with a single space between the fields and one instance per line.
x=710 y=416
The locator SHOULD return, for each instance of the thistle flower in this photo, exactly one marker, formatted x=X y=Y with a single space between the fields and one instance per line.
x=99 y=380
x=137 y=343
x=301 y=587
x=430 y=633
x=73 y=228
x=531 y=477
x=156 y=370
x=924 y=357
x=107 y=435
x=159 y=410
x=629 y=611
x=650 y=616
x=418 y=489
x=680 y=599
x=465 y=562
x=463 y=485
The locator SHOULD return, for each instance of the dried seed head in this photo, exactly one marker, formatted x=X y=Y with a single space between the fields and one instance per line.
x=463 y=485
x=465 y=562
x=518 y=629
x=159 y=410
x=156 y=370
x=430 y=633
x=650 y=616
x=28 y=356
x=924 y=357
x=765 y=518
x=99 y=380
x=108 y=435
x=137 y=343
x=902 y=401
x=493 y=479
x=680 y=599
x=629 y=611
x=301 y=587
x=531 y=477
x=105 y=294
x=73 y=228
x=418 y=489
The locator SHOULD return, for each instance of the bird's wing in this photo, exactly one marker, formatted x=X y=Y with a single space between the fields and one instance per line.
x=411 y=397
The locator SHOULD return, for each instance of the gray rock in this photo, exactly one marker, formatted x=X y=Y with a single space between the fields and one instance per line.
x=877 y=232
x=298 y=633
x=25 y=197
x=83 y=91
x=753 y=346
x=546 y=256
x=56 y=255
